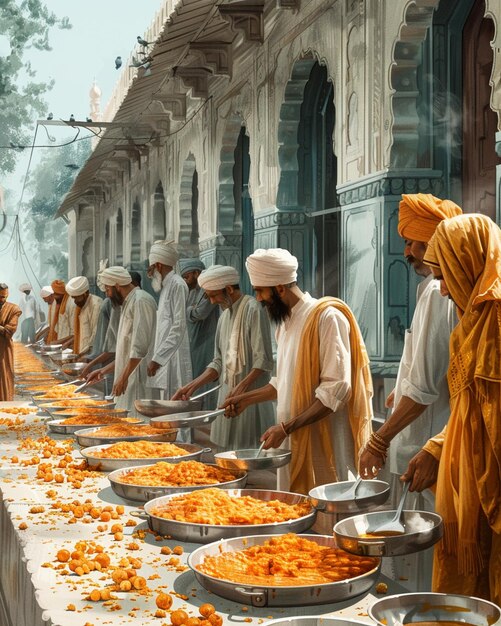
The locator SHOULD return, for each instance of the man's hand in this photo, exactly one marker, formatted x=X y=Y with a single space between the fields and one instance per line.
x=184 y=393
x=421 y=472
x=238 y=390
x=390 y=400
x=235 y=405
x=273 y=437
x=93 y=377
x=120 y=386
x=153 y=368
x=369 y=464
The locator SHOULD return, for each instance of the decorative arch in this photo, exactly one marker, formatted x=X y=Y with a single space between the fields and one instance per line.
x=188 y=206
x=226 y=204
x=119 y=242
x=159 y=214
x=135 y=235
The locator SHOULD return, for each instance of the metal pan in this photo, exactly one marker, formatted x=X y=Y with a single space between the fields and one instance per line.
x=247 y=459
x=314 y=620
x=329 y=498
x=64 y=413
x=62 y=428
x=422 y=530
x=406 y=608
x=257 y=595
x=157 y=408
x=73 y=369
x=51 y=407
x=191 y=419
x=143 y=493
x=194 y=453
x=206 y=533
x=86 y=438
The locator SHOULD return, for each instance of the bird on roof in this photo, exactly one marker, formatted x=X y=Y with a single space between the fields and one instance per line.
x=143 y=42
x=72 y=118
x=136 y=62
x=118 y=63
x=50 y=116
x=88 y=119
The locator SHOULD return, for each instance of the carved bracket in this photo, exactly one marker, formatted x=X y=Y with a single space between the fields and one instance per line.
x=293 y=5
x=216 y=55
x=173 y=104
x=247 y=17
x=194 y=78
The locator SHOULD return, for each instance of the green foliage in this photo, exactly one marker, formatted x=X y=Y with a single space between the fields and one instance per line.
x=26 y=25
x=52 y=179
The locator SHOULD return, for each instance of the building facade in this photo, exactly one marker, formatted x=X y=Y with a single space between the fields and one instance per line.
x=298 y=124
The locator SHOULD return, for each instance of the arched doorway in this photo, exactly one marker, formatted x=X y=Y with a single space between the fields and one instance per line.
x=244 y=215
x=119 y=244
x=159 y=217
x=135 y=235
x=188 y=208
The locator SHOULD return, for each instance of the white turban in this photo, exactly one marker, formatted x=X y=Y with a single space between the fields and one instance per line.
x=111 y=276
x=25 y=287
x=218 y=277
x=189 y=265
x=77 y=286
x=46 y=291
x=268 y=268
x=163 y=252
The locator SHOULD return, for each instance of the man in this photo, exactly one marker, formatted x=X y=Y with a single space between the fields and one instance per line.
x=465 y=255
x=420 y=399
x=47 y=295
x=135 y=338
x=9 y=317
x=87 y=309
x=323 y=384
x=242 y=359
x=201 y=315
x=61 y=329
x=170 y=364
x=28 y=306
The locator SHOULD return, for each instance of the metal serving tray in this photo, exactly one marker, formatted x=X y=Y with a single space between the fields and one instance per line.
x=314 y=620
x=143 y=493
x=52 y=407
x=85 y=439
x=247 y=460
x=60 y=426
x=191 y=419
x=258 y=595
x=109 y=465
x=329 y=498
x=73 y=412
x=422 y=530
x=206 y=533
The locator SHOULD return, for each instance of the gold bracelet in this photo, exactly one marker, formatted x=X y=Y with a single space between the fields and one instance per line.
x=283 y=428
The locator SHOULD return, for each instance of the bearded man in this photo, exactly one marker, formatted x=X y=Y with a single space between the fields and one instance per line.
x=242 y=360
x=9 y=318
x=323 y=384
x=61 y=329
x=135 y=338
x=87 y=309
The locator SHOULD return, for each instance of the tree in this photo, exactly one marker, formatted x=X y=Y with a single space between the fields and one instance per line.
x=26 y=25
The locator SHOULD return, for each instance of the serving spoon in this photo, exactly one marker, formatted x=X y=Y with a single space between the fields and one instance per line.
x=393 y=526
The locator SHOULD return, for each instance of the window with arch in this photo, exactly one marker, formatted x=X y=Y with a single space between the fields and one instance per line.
x=159 y=217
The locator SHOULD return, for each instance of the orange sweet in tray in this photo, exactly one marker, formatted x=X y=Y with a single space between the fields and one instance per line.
x=184 y=474
x=139 y=450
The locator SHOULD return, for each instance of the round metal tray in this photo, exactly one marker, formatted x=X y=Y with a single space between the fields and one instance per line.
x=73 y=369
x=52 y=407
x=143 y=493
x=64 y=413
x=406 y=608
x=60 y=427
x=39 y=401
x=329 y=499
x=277 y=596
x=109 y=465
x=314 y=620
x=246 y=459
x=190 y=419
x=206 y=533
x=422 y=530
x=157 y=408
x=86 y=440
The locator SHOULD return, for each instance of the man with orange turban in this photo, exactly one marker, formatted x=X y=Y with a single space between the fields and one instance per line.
x=61 y=326
x=465 y=255
x=9 y=317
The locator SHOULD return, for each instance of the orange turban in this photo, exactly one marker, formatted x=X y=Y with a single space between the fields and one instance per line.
x=58 y=286
x=420 y=213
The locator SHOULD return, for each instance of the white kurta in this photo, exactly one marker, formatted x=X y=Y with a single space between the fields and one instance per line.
x=335 y=382
x=89 y=316
x=172 y=344
x=245 y=430
x=422 y=376
x=66 y=320
x=135 y=338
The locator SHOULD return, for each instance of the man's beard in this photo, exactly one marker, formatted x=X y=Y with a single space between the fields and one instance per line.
x=116 y=298
x=228 y=303
x=277 y=309
x=156 y=281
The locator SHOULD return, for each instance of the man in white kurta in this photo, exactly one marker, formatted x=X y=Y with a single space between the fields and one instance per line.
x=273 y=275
x=170 y=364
x=87 y=310
x=135 y=338
x=242 y=359
x=420 y=399
x=29 y=319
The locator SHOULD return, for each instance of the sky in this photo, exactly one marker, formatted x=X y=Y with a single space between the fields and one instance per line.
x=102 y=30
